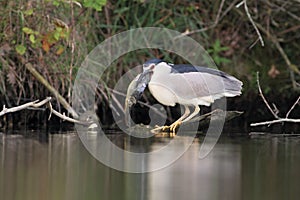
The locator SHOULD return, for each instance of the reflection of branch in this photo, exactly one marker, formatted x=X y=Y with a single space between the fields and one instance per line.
x=37 y=104
x=278 y=119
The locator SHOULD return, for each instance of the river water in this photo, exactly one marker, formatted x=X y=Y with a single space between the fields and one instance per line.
x=59 y=167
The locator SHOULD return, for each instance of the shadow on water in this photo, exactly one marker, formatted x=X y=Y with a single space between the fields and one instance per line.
x=237 y=168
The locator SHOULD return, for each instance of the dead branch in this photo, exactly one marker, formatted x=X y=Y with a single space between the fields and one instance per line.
x=36 y=104
x=214 y=23
x=263 y=97
x=252 y=21
x=43 y=81
x=204 y=120
x=64 y=117
x=17 y=108
x=278 y=119
x=41 y=103
x=293 y=106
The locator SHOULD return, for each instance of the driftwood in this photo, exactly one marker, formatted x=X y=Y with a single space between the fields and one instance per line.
x=36 y=104
x=274 y=113
x=203 y=120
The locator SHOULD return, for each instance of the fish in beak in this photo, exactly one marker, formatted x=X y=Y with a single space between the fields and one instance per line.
x=135 y=91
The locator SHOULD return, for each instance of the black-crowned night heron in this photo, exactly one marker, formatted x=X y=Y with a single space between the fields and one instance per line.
x=184 y=84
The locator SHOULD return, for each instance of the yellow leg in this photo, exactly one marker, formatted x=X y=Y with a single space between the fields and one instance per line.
x=196 y=111
x=185 y=117
x=178 y=122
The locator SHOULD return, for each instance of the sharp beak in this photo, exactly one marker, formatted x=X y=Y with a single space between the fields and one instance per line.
x=135 y=91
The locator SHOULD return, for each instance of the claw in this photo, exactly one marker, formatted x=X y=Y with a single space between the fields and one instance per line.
x=165 y=128
x=160 y=129
x=174 y=126
x=171 y=129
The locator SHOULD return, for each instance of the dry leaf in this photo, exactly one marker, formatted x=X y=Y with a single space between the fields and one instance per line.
x=11 y=77
x=46 y=46
x=273 y=72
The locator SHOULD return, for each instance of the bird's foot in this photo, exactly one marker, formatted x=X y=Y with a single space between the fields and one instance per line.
x=167 y=129
x=175 y=126
x=170 y=129
x=159 y=129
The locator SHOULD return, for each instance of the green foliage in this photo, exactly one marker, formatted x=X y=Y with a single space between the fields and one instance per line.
x=21 y=49
x=29 y=31
x=32 y=34
x=28 y=12
x=95 y=4
x=216 y=50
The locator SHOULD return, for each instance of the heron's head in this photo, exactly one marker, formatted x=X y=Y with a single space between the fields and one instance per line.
x=151 y=64
x=144 y=78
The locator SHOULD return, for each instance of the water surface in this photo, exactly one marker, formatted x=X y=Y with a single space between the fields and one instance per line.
x=237 y=168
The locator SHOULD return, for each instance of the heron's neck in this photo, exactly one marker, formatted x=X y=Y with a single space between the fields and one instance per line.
x=161 y=70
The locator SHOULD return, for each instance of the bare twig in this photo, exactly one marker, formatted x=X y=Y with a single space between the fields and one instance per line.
x=213 y=24
x=278 y=119
x=69 y=119
x=72 y=44
x=275 y=121
x=293 y=106
x=187 y=32
x=291 y=66
x=252 y=22
x=219 y=12
x=239 y=4
x=48 y=99
x=17 y=108
x=263 y=97
x=37 y=104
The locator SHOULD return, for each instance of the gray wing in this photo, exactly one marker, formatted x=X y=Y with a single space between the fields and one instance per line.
x=195 y=85
x=230 y=82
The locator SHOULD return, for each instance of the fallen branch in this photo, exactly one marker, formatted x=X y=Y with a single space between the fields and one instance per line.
x=17 y=108
x=204 y=120
x=43 y=81
x=278 y=119
x=66 y=118
x=36 y=104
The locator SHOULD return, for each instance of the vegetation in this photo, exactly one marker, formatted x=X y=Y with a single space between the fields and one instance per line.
x=54 y=36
